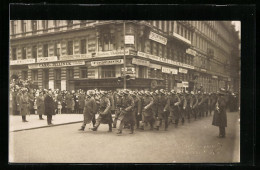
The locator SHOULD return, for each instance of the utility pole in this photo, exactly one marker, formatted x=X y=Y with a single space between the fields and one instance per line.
x=124 y=59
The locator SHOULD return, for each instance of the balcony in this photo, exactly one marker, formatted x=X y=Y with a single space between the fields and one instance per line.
x=179 y=37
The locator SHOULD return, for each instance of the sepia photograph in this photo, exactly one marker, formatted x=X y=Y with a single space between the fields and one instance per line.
x=124 y=91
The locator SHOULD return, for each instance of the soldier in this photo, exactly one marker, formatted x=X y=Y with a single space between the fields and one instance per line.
x=118 y=105
x=182 y=106
x=163 y=110
x=193 y=104
x=200 y=104
x=40 y=105
x=155 y=104
x=206 y=103
x=147 y=114
x=127 y=114
x=49 y=107
x=89 y=108
x=31 y=101
x=174 y=107
x=137 y=108
x=104 y=112
x=187 y=109
x=220 y=116
x=81 y=101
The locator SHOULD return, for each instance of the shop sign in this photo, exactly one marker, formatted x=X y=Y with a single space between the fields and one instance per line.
x=174 y=71
x=56 y=64
x=166 y=70
x=107 y=62
x=179 y=84
x=140 y=62
x=191 y=52
x=181 y=70
x=76 y=57
x=129 y=39
x=25 y=61
x=112 y=53
x=185 y=84
x=156 y=66
x=158 y=38
x=215 y=77
x=46 y=59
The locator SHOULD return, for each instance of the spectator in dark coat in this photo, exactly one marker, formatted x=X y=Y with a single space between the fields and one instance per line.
x=49 y=107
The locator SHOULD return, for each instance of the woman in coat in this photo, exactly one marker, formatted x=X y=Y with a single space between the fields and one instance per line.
x=220 y=116
x=40 y=105
x=24 y=104
x=49 y=107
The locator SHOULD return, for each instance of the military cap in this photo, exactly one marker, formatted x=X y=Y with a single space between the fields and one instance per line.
x=173 y=91
x=192 y=92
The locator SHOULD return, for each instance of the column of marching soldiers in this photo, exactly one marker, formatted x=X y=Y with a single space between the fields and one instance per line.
x=142 y=109
x=131 y=109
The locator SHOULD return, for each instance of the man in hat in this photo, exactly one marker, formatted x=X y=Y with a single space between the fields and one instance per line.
x=127 y=112
x=104 y=112
x=182 y=106
x=147 y=114
x=220 y=116
x=163 y=110
x=89 y=108
x=40 y=105
x=49 y=107
x=200 y=104
x=187 y=109
x=155 y=103
x=137 y=108
x=24 y=104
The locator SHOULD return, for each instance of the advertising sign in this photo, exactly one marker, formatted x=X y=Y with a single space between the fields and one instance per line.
x=56 y=64
x=158 y=38
x=181 y=70
x=140 y=62
x=107 y=62
x=46 y=59
x=129 y=39
x=25 y=61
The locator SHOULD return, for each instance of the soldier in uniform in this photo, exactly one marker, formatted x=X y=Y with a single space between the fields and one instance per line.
x=163 y=110
x=89 y=106
x=187 y=109
x=155 y=104
x=220 y=116
x=147 y=114
x=200 y=104
x=31 y=101
x=81 y=101
x=49 y=107
x=174 y=107
x=193 y=104
x=182 y=106
x=127 y=114
x=118 y=104
x=137 y=108
x=104 y=112
x=206 y=103
x=40 y=105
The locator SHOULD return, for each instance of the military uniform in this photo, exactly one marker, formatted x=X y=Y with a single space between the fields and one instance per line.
x=187 y=109
x=104 y=113
x=174 y=108
x=182 y=107
x=163 y=110
x=127 y=114
x=193 y=105
x=118 y=105
x=137 y=109
x=147 y=114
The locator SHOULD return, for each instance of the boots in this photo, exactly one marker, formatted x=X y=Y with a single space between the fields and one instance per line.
x=40 y=117
x=94 y=128
x=110 y=127
x=82 y=128
x=131 y=129
x=157 y=128
x=119 y=132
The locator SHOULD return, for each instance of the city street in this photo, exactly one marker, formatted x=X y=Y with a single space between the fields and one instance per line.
x=192 y=142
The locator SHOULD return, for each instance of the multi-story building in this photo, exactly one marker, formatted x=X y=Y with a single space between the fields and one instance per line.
x=87 y=54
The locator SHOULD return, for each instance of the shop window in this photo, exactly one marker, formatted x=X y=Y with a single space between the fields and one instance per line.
x=34 y=25
x=45 y=79
x=83 y=49
x=24 y=75
x=108 y=42
x=70 y=73
x=142 y=72
x=45 y=50
x=34 y=51
x=70 y=48
x=108 y=71
x=14 y=55
x=83 y=72
x=57 y=78
x=23 y=52
x=34 y=75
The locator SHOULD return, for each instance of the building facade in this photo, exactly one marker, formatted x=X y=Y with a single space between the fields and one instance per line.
x=87 y=54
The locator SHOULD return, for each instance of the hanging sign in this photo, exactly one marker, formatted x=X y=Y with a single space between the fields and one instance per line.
x=158 y=38
x=174 y=71
x=129 y=39
x=185 y=84
x=181 y=70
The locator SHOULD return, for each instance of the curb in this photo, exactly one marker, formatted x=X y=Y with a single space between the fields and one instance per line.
x=46 y=126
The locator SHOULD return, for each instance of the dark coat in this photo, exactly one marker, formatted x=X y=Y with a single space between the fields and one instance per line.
x=104 y=111
x=127 y=113
x=220 y=115
x=40 y=105
x=49 y=105
x=90 y=105
x=24 y=105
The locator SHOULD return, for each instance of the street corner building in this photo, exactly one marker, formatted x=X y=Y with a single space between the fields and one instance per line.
x=88 y=54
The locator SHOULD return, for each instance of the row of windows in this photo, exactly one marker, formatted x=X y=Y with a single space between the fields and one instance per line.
x=23 y=26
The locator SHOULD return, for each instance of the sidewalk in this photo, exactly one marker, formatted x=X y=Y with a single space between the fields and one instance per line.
x=16 y=124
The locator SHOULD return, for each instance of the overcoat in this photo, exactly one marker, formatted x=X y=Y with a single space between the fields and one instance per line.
x=220 y=115
x=24 y=105
x=104 y=111
x=81 y=101
x=127 y=114
x=88 y=112
x=49 y=105
x=40 y=104
x=69 y=101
